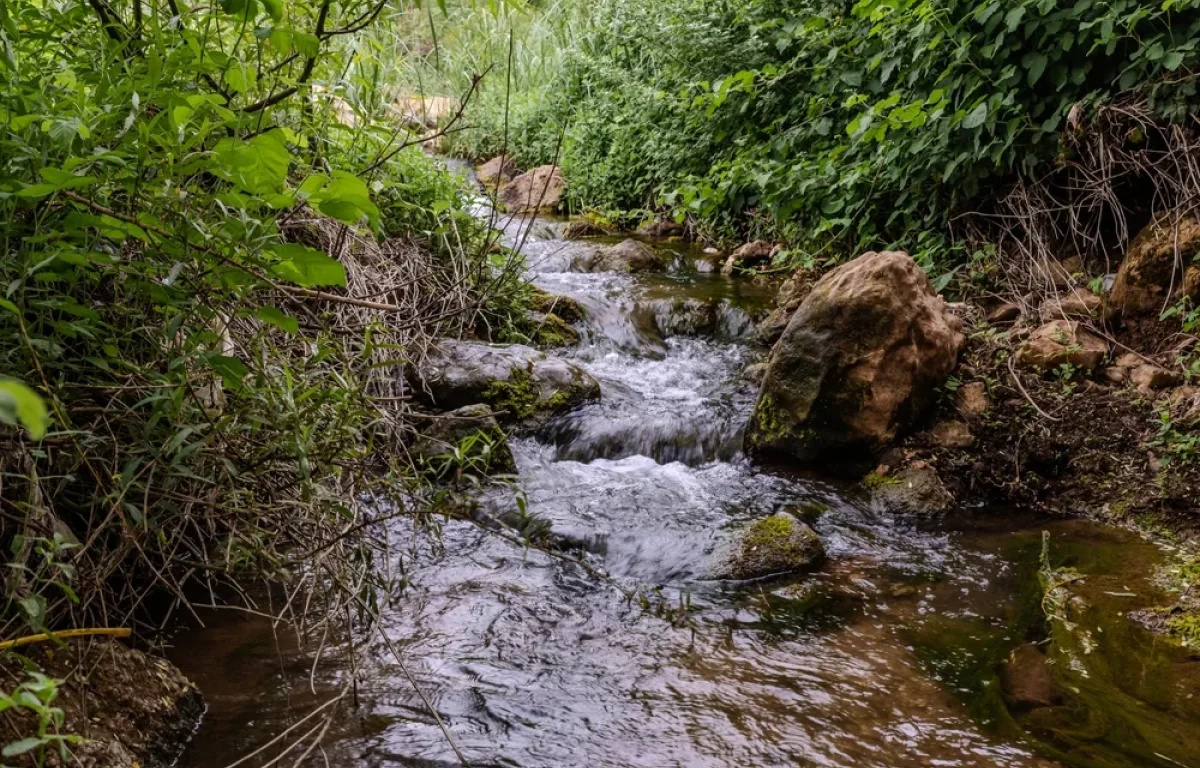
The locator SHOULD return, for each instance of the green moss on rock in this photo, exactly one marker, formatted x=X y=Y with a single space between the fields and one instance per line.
x=774 y=545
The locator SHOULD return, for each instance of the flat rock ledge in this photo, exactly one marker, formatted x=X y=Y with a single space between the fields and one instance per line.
x=521 y=384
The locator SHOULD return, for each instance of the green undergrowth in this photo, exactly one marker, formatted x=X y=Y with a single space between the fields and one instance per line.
x=218 y=252
x=834 y=127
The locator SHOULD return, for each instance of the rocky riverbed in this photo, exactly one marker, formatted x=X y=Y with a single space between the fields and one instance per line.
x=696 y=608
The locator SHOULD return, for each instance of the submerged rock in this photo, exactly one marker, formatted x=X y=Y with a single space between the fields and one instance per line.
x=1063 y=342
x=859 y=364
x=774 y=545
x=684 y=317
x=1158 y=269
x=473 y=432
x=911 y=491
x=541 y=189
x=1026 y=680
x=518 y=382
x=628 y=256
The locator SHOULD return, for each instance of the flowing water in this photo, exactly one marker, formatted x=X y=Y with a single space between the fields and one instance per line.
x=887 y=657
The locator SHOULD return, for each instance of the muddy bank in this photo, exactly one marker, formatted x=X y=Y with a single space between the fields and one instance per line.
x=128 y=709
x=1065 y=445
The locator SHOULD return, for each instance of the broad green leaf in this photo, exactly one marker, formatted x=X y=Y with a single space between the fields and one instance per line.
x=1035 y=67
x=274 y=9
x=308 y=267
x=241 y=78
x=278 y=318
x=21 y=405
x=346 y=198
x=231 y=370
x=976 y=117
x=34 y=608
x=258 y=166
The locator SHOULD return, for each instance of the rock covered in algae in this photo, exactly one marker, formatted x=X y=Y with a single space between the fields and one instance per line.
x=774 y=545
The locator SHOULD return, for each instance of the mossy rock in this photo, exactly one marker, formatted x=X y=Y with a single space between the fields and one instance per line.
x=549 y=331
x=565 y=307
x=521 y=384
x=778 y=544
x=912 y=491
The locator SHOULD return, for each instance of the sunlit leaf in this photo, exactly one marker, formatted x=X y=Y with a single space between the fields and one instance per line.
x=20 y=405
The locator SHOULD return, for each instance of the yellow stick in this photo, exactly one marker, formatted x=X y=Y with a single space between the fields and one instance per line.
x=65 y=634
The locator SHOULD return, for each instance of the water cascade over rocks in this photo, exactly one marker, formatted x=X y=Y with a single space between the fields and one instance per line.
x=728 y=614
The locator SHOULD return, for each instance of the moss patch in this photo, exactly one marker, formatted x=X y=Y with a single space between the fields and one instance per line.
x=874 y=480
x=777 y=544
x=517 y=396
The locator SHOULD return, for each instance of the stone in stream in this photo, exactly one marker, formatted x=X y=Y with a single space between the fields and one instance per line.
x=915 y=490
x=586 y=226
x=541 y=189
x=684 y=317
x=777 y=544
x=473 y=429
x=499 y=169
x=661 y=228
x=859 y=365
x=520 y=383
x=749 y=254
x=566 y=307
x=1026 y=680
x=628 y=256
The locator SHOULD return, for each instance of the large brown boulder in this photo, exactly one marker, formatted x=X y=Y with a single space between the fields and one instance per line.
x=541 y=189
x=1158 y=269
x=858 y=365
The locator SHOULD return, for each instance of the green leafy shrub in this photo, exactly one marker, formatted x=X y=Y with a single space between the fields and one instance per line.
x=217 y=255
x=830 y=125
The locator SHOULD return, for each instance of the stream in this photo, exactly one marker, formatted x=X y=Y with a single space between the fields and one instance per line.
x=888 y=657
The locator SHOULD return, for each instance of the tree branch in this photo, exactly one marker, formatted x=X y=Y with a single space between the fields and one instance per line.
x=310 y=63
